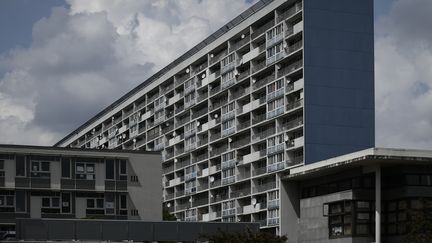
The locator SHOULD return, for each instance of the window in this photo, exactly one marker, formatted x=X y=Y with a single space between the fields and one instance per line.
x=189 y=98
x=275 y=140
x=228 y=173
x=122 y=170
x=51 y=204
x=227 y=60
x=228 y=205
x=2 y=170
x=85 y=171
x=158 y=115
x=276 y=158
x=228 y=108
x=228 y=124
x=228 y=156
x=66 y=167
x=226 y=77
x=20 y=166
x=123 y=202
x=40 y=169
x=349 y=217
x=275 y=104
x=7 y=201
x=109 y=169
x=190 y=142
x=274 y=32
x=272 y=51
x=20 y=201
x=275 y=86
x=65 y=204
x=273 y=195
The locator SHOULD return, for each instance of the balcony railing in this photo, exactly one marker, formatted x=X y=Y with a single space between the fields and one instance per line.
x=240 y=43
x=258 y=84
x=227 y=83
x=275 y=94
x=218 y=57
x=292 y=123
x=290 y=68
x=219 y=197
x=264 y=187
x=275 y=39
x=228 y=180
x=276 y=166
x=295 y=161
x=275 y=149
x=230 y=66
x=273 y=221
x=240 y=192
x=218 y=151
x=228 y=164
x=275 y=57
x=262 y=29
x=260 y=171
x=276 y=112
x=273 y=203
x=294 y=105
x=258 y=66
x=297 y=7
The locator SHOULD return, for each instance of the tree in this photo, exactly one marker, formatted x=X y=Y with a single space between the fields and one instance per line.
x=419 y=227
x=167 y=216
x=247 y=236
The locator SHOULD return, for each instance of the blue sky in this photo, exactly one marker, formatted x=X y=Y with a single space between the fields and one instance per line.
x=62 y=61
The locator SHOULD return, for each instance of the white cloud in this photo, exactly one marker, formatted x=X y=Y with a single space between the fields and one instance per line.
x=83 y=58
x=404 y=76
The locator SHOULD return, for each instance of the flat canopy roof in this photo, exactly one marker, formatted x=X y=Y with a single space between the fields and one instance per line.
x=13 y=148
x=367 y=157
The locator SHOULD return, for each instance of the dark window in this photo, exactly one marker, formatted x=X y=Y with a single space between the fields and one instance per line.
x=55 y=202
x=45 y=202
x=123 y=202
x=45 y=166
x=1 y=164
x=90 y=203
x=20 y=205
x=66 y=168
x=65 y=202
x=123 y=167
x=100 y=203
x=20 y=166
x=109 y=166
x=9 y=200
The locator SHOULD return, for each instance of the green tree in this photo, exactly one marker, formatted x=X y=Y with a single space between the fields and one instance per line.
x=247 y=236
x=167 y=216
x=419 y=227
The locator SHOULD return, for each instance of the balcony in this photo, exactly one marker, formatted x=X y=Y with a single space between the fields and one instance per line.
x=227 y=116
x=190 y=133
x=272 y=204
x=240 y=193
x=297 y=7
x=190 y=147
x=295 y=143
x=260 y=83
x=276 y=167
x=180 y=193
x=218 y=57
x=227 y=132
x=290 y=68
x=240 y=43
x=174 y=99
x=275 y=94
x=293 y=105
x=241 y=142
x=228 y=212
x=295 y=161
x=278 y=56
x=263 y=134
x=230 y=66
x=191 y=176
x=274 y=40
x=190 y=190
x=276 y=112
x=218 y=151
x=272 y=221
x=228 y=180
x=243 y=75
x=189 y=103
x=228 y=83
x=264 y=187
x=182 y=121
x=219 y=197
x=253 y=157
x=248 y=209
x=202 y=97
x=182 y=79
x=262 y=29
x=189 y=89
x=295 y=47
x=199 y=202
x=229 y=164
x=275 y=149
x=258 y=66
x=292 y=30
x=292 y=124
x=295 y=86
x=259 y=171
x=214 y=90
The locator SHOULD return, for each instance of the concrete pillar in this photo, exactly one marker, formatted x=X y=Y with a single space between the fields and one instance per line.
x=378 y=205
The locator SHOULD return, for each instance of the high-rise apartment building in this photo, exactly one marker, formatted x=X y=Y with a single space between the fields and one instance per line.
x=284 y=84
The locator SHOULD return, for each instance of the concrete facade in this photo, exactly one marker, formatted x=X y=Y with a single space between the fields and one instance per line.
x=284 y=84
x=47 y=182
x=336 y=198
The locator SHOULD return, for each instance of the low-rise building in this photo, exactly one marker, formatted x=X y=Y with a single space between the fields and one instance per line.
x=50 y=182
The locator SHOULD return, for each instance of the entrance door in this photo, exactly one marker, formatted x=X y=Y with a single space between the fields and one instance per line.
x=35 y=207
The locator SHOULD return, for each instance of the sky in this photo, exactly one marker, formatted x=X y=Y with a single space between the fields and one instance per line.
x=61 y=62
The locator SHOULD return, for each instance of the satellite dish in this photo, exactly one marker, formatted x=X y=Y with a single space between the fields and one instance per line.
x=278 y=66
x=236 y=73
x=286 y=138
x=216 y=116
x=254 y=201
x=168 y=205
x=124 y=136
x=134 y=140
x=253 y=80
x=211 y=55
x=187 y=70
x=285 y=45
x=175 y=160
x=116 y=129
x=190 y=199
x=167 y=124
x=198 y=123
x=203 y=76
x=174 y=133
x=288 y=80
x=229 y=140
x=243 y=36
x=212 y=178
x=112 y=118
x=211 y=195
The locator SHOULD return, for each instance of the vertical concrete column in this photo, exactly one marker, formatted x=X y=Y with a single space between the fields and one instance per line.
x=378 y=205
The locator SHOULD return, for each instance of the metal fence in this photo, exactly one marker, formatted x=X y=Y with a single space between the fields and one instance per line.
x=121 y=230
